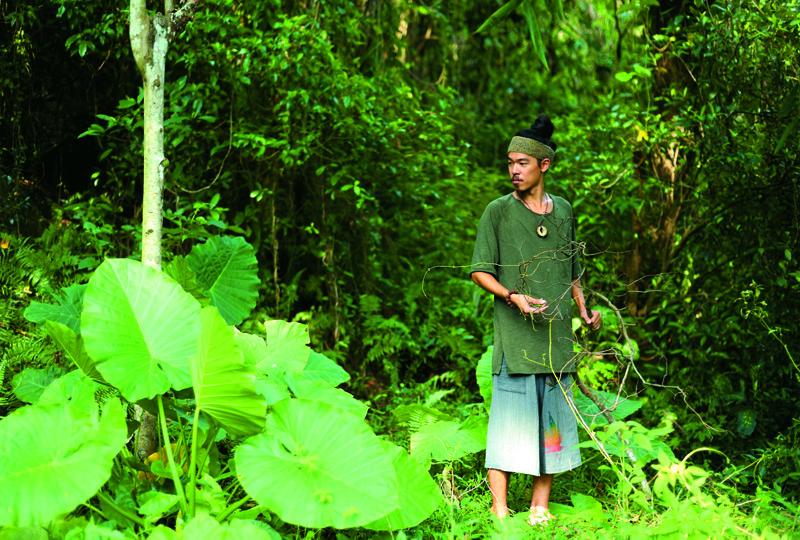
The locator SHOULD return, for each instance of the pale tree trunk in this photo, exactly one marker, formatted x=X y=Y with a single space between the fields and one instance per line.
x=150 y=36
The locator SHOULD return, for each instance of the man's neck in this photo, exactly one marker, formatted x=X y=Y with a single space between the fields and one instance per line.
x=534 y=195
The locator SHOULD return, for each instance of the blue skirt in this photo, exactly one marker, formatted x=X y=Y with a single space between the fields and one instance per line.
x=532 y=428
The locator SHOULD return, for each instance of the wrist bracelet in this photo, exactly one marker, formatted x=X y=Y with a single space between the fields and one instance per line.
x=508 y=296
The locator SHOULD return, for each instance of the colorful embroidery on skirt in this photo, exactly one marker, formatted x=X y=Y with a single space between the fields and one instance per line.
x=552 y=437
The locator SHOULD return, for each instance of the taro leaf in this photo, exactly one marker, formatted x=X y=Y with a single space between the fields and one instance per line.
x=204 y=527
x=178 y=269
x=417 y=415
x=56 y=456
x=72 y=345
x=418 y=494
x=322 y=368
x=66 y=311
x=445 y=441
x=224 y=385
x=154 y=504
x=287 y=347
x=227 y=271
x=271 y=384
x=320 y=391
x=591 y=413
x=339 y=472
x=140 y=327
x=29 y=383
x=483 y=374
x=272 y=387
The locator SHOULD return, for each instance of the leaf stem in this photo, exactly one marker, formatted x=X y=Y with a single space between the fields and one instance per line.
x=232 y=508
x=193 y=462
x=117 y=508
x=176 y=478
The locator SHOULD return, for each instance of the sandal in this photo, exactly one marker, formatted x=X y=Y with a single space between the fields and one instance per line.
x=539 y=516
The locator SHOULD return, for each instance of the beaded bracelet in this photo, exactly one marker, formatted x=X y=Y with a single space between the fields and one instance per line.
x=508 y=296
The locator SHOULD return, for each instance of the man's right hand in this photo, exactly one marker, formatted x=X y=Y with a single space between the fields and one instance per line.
x=528 y=305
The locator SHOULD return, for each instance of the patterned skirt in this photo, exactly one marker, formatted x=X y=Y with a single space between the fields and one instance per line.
x=532 y=428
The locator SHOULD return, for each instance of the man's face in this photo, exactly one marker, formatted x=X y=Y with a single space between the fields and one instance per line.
x=526 y=172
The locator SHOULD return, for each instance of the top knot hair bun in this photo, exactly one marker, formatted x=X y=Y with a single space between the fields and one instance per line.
x=541 y=130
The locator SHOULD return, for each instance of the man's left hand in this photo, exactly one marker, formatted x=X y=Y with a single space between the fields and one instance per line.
x=594 y=321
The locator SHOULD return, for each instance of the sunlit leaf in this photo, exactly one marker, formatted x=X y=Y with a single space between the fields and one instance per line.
x=66 y=310
x=445 y=441
x=140 y=327
x=287 y=347
x=227 y=270
x=322 y=368
x=224 y=385
x=339 y=472
x=501 y=12
x=29 y=383
x=619 y=409
x=55 y=456
x=418 y=494
x=483 y=375
x=72 y=345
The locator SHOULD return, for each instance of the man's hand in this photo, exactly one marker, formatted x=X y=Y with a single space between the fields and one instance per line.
x=528 y=305
x=594 y=321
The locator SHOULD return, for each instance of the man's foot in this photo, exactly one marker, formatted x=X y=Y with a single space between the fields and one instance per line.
x=539 y=516
x=500 y=513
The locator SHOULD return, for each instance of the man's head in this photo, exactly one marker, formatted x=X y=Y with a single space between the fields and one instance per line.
x=535 y=140
x=530 y=154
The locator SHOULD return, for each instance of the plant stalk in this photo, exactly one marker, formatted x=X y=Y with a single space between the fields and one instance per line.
x=176 y=478
x=193 y=463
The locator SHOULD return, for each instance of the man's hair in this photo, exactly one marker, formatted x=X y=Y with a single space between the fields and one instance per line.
x=535 y=140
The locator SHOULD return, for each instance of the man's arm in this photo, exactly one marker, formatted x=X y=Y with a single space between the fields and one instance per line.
x=593 y=321
x=526 y=304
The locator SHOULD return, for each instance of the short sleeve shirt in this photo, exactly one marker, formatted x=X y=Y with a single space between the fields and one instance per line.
x=541 y=264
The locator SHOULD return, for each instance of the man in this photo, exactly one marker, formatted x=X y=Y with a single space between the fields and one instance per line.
x=527 y=257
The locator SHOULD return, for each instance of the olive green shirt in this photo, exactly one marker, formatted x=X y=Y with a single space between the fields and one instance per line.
x=542 y=266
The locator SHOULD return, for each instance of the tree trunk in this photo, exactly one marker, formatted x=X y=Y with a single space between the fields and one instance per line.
x=150 y=37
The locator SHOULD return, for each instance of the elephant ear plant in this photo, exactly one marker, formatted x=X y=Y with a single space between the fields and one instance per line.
x=137 y=337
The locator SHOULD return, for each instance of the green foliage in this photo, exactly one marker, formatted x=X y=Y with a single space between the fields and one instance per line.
x=142 y=343
x=56 y=454
x=347 y=477
x=225 y=269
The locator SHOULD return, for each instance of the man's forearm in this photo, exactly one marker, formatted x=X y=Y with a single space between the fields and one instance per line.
x=489 y=283
x=577 y=295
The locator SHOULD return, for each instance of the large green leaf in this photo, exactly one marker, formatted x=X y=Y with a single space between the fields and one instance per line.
x=72 y=345
x=322 y=368
x=227 y=271
x=315 y=390
x=56 y=455
x=204 y=527
x=29 y=383
x=334 y=471
x=66 y=310
x=445 y=441
x=287 y=347
x=270 y=384
x=619 y=409
x=224 y=385
x=418 y=494
x=483 y=375
x=140 y=328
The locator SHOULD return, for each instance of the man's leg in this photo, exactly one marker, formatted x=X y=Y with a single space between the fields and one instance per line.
x=498 y=485
x=541 y=490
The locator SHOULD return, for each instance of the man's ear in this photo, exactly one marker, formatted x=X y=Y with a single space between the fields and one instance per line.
x=544 y=164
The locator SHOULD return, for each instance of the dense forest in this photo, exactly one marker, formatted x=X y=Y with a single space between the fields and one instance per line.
x=325 y=166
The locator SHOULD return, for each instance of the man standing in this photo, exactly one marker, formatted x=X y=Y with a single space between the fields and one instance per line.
x=527 y=257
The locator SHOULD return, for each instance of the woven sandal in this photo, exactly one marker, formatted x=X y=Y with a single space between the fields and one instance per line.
x=539 y=516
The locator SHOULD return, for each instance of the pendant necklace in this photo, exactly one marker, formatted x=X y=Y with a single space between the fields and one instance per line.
x=541 y=230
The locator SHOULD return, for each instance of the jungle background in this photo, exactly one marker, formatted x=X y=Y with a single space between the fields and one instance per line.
x=354 y=145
